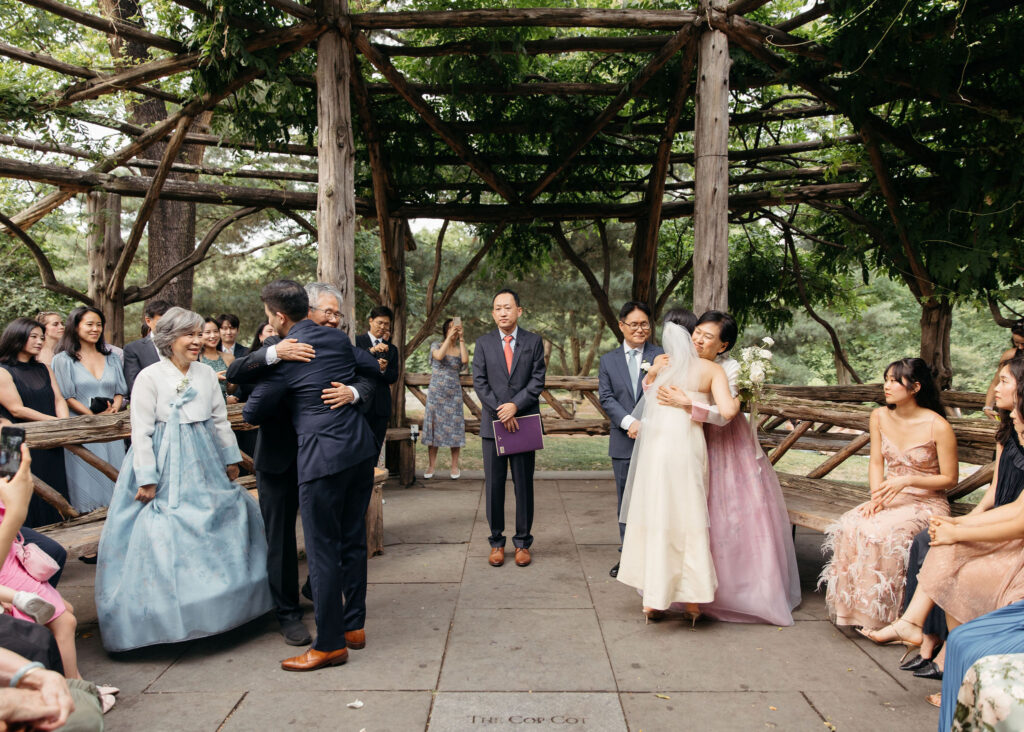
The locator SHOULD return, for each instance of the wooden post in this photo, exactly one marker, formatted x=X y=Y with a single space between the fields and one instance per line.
x=399 y=454
x=105 y=245
x=336 y=193
x=711 y=168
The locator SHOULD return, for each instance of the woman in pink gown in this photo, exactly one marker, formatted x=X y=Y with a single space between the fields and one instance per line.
x=751 y=537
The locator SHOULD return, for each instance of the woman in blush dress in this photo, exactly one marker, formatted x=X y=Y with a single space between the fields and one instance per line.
x=183 y=553
x=443 y=422
x=666 y=552
x=53 y=331
x=975 y=564
x=913 y=464
x=751 y=539
x=87 y=370
x=29 y=393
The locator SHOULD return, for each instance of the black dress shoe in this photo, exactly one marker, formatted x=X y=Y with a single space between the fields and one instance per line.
x=307 y=591
x=614 y=571
x=914 y=663
x=295 y=633
x=929 y=671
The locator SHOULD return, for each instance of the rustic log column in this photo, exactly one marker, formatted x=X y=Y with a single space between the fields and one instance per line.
x=711 y=168
x=104 y=245
x=336 y=194
x=399 y=455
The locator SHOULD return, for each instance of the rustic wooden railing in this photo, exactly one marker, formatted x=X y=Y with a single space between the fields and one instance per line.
x=825 y=419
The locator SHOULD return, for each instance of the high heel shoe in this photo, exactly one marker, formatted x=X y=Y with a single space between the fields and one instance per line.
x=653 y=616
x=898 y=641
x=692 y=613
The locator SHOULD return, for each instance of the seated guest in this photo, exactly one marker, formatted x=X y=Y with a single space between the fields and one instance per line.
x=37 y=698
x=443 y=422
x=228 y=325
x=142 y=353
x=182 y=554
x=90 y=375
x=46 y=606
x=913 y=464
x=1006 y=487
x=29 y=393
x=53 y=330
x=975 y=564
x=1016 y=346
x=217 y=359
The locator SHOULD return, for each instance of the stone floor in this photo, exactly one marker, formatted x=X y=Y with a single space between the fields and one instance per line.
x=454 y=644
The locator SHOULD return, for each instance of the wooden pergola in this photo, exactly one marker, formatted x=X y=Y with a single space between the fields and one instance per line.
x=355 y=55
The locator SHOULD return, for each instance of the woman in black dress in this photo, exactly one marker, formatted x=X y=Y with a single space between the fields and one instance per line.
x=29 y=393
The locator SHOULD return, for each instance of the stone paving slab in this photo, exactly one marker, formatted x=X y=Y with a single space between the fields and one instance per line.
x=173 y=712
x=871 y=711
x=526 y=650
x=382 y=711
x=418 y=563
x=496 y=711
x=592 y=516
x=551 y=581
x=431 y=515
x=728 y=711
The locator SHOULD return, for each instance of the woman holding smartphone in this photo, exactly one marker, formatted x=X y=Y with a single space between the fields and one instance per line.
x=443 y=422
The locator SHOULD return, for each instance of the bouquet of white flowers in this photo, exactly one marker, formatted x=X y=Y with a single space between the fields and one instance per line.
x=756 y=368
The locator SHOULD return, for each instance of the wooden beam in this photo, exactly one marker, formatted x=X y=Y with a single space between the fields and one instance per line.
x=820 y=10
x=787 y=443
x=711 y=169
x=840 y=457
x=742 y=7
x=556 y=405
x=302 y=12
x=93 y=461
x=116 y=283
x=978 y=479
x=628 y=92
x=596 y=44
x=451 y=138
x=46 y=274
x=107 y=25
x=548 y=17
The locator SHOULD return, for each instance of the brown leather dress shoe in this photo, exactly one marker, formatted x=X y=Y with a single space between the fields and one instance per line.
x=312 y=659
x=522 y=557
x=497 y=556
x=355 y=639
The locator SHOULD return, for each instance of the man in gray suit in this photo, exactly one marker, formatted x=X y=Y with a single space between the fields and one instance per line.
x=619 y=389
x=142 y=353
x=508 y=377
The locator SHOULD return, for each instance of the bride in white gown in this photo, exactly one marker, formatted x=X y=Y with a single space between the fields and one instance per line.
x=666 y=551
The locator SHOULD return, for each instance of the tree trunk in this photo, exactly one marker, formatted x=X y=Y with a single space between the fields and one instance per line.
x=393 y=294
x=711 y=169
x=936 y=321
x=104 y=212
x=172 y=225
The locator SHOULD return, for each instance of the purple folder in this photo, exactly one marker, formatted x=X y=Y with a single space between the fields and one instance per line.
x=529 y=436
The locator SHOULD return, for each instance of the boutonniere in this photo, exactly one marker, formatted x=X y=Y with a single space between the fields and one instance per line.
x=645 y=366
x=183 y=385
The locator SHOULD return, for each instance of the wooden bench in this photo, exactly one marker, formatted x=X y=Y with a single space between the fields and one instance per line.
x=81 y=536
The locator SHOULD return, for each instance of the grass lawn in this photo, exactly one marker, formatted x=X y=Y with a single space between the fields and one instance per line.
x=561 y=452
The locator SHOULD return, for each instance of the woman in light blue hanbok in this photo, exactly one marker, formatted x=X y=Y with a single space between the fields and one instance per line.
x=183 y=553
x=87 y=369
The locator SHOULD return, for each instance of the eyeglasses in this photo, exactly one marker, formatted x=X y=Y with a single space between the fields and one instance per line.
x=636 y=326
x=328 y=313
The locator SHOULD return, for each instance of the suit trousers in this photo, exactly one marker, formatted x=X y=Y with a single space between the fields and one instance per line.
x=620 y=469
x=334 y=522
x=379 y=427
x=495 y=472
x=279 y=504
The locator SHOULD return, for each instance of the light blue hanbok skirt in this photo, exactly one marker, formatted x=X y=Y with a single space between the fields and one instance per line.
x=190 y=563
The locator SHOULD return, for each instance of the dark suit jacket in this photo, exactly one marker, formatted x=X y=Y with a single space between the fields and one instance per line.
x=238 y=350
x=381 y=405
x=494 y=385
x=616 y=395
x=276 y=443
x=137 y=356
x=329 y=441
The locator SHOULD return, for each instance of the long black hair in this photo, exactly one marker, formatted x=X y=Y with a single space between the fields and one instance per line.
x=70 y=342
x=682 y=317
x=910 y=371
x=256 y=343
x=1016 y=366
x=15 y=336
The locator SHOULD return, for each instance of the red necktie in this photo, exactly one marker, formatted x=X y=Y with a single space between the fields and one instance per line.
x=508 y=353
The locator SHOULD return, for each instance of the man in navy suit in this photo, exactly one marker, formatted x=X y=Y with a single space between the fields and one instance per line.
x=334 y=466
x=276 y=446
x=375 y=341
x=508 y=377
x=142 y=353
x=619 y=389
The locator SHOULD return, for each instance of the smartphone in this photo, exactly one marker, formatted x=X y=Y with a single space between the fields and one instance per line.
x=10 y=450
x=456 y=322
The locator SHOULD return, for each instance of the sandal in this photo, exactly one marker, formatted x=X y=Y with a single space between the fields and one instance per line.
x=898 y=641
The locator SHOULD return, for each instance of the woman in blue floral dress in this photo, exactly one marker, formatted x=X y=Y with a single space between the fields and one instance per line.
x=443 y=423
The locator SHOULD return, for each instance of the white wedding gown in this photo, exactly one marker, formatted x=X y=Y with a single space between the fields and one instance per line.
x=666 y=552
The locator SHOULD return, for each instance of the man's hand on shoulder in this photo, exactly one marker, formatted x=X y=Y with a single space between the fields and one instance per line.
x=291 y=350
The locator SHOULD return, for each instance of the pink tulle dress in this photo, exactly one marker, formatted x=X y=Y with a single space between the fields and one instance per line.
x=14 y=576
x=751 y=537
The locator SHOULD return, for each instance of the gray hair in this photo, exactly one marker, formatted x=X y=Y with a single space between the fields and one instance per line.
x=316 y=290
x=175 y=323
